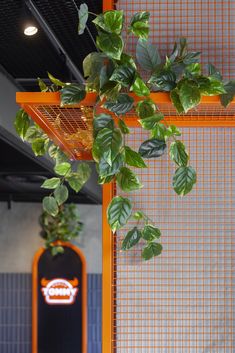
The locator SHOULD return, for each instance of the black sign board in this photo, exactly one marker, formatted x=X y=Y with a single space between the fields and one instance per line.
x=59 y=302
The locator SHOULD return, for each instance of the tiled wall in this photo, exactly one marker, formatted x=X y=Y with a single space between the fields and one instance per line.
x=15 y=313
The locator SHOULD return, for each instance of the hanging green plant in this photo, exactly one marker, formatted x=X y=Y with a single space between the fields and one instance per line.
x=61 y=227
x=112 y=73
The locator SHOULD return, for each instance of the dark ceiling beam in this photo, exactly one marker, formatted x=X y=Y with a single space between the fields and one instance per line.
x=54 y=40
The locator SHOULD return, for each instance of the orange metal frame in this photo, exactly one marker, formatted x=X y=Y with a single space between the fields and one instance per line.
x=35 y=296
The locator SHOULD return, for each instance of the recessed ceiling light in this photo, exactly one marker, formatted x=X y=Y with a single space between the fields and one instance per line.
x=30 y=30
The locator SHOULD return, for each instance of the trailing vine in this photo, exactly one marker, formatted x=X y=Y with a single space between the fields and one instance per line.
x=112 y=73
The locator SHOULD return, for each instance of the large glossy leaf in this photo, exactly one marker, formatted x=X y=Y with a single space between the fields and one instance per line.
x=82 y=18
x=163 y=79
x=39 y=146
x=147 y=55
x=145 y=108
x=111 y=44
x=22 y=123
x=110 y=91
x=151 y=250
x=213 y=72
x=139 y=24
x=159 y=132
x=140 y=88
x=51 y=183
x=152 y=121
x=227 y=98
x=78 y=179
x=108 y=143
x=118 y=213
x=123 y=74
x=93 y=63
x=61 y=194
x=175 y=98
x=72 y=94
x=62 y=168
x=178 y=153
x=127 y=180
x=101 y=121
x=183 y=180
x=189 y=95
x=133 y=158
x=50 y=205
x=152 y=148
x=131 y=239
x=110 y=21
x=150 y=232
x=105 y=169
x=210 y=86
x=122 y=105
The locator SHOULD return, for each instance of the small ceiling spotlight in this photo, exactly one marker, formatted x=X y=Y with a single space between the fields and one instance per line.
x=29 y=24
x=30 y=30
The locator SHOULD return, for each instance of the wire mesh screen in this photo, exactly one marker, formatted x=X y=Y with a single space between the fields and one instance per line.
x=209 y=26
x=182 y=301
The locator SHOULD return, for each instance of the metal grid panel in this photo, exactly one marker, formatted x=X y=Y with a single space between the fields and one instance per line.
x=209 y=26
x=182 y=301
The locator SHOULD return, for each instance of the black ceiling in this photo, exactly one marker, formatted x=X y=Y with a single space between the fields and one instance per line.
x=31 y=57
x=26 y=58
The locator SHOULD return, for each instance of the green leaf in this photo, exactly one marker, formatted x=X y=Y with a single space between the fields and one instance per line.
x=183 y=180
x=163 y=79
x=175 y=98
x=55 y=80
x=183 y=47
x=152 y=121
x=93 y=63
x=127 y=59
x=131 y=239
x=110 y=91
x=151 y=250
x=213 y=72
x=145 y=108
x=61 y=194
x=172 y=130
x=147 y=55
x=84 y=171
x=39 y=146
x=32 y=133
x=118 y=213
x=140 y=88
x=122 y=105
x=210 y=86
x=50 y=205
x=111 y=44
x=150 y=233
x=123 y=127
x=139 y=24
x=101 y=121
x=227 y=98
x=78 y=179
x=108 y=143
x=43 y=87
x=105 y=170
x=139 y=215
x=52 y=183
x=128 y=180
x=63 y=168
x=123 y=74
x=72 y=94
x=21 y=123
x=152 y=148
x=133 y=158
x=189 y=95
x=110 y=21
x=193 y=70
x=191 y=58
x=104 y=180
x=82 y=18
x=159 y=132
x=178 y=153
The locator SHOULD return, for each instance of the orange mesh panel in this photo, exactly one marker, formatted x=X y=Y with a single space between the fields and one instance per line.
x=209 y=26
x=182 y=301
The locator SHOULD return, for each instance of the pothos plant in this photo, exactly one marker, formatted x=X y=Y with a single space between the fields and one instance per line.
x=112 y=73
x=63 y=227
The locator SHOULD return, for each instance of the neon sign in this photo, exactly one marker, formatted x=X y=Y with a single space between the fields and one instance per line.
x=59 y=290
